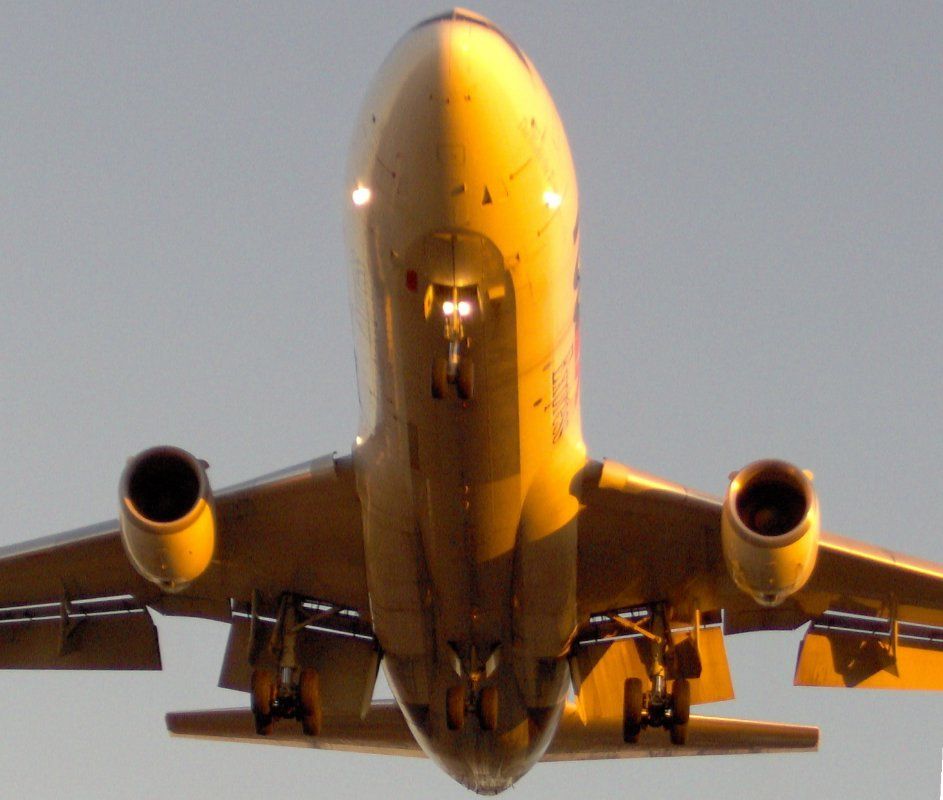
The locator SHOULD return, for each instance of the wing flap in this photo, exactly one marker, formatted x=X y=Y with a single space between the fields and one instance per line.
x=111 y=634
x=602 y=739
x=853 y=652
x=383 y=732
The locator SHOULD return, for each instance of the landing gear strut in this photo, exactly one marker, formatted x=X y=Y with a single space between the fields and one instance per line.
x=657 y=708
x=456 y=367
x=459 y=701
x=471 y=696
x=292 y=692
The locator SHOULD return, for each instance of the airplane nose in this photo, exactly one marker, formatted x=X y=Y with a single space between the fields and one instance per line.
x=468 y=55
x=459 y=132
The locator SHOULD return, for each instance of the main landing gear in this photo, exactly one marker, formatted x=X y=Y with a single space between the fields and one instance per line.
x=470 y=697
x=657 y=708
x=291 y=692
x=460 y=701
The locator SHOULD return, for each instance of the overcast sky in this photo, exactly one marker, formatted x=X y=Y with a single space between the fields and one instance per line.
x=762 y=229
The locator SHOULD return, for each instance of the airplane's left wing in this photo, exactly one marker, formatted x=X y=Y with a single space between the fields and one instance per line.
x=876 y=617
x=74 y=601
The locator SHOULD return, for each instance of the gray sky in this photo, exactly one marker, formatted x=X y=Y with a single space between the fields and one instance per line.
x=762 y=224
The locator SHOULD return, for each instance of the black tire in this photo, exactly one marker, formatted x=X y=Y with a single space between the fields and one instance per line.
x=263 y=695
x=440 y=377
x=465 y=379
x=488 y=708
x=309 y=695
x=681 y=702
x=632 y=710
x=455 y=707
x=678 y=734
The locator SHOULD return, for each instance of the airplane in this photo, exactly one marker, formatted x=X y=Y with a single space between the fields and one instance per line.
x=467 y=542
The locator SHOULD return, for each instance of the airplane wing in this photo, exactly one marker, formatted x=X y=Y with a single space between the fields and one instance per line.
x=643 y=539
x=74 y=601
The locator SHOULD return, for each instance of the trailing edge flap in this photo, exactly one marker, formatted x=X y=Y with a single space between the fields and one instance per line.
x=577 y=740
x=108 y=633
x=347 y=665
x=870 y=654
x=600 y=670
x=384 y=731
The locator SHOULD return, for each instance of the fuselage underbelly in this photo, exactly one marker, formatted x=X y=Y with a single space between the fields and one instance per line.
x=467 y=195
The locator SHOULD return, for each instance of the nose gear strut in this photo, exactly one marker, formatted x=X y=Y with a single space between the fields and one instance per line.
x=456 y=367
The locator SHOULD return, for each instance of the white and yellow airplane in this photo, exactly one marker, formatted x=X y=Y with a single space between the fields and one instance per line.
x=467 y=543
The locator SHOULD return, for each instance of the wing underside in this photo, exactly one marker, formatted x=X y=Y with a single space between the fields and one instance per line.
x=875 y=617
x=73 y=600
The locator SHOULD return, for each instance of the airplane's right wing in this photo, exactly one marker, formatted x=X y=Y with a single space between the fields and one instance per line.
x=73 y=600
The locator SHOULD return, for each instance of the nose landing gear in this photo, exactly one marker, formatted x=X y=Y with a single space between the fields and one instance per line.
x=456 y=368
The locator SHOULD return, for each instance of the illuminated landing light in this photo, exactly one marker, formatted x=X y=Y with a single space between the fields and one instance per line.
x=464 y=308
x=552 y=199
x=359 y=441
x=361 y=195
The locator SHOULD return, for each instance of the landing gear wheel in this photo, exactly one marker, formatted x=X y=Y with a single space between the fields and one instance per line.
x=678 y=733
x=632 y=710
x=488 y=708
x=309 y=696
x=440 y=377
x=465 y=379
x=681 y=702
x=455 y=707
x=263 y=695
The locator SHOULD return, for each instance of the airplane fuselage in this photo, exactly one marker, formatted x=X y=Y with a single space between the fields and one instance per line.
x=466 y=194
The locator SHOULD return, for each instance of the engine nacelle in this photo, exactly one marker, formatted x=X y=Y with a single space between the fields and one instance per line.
x=770 y=529
x=168 y=522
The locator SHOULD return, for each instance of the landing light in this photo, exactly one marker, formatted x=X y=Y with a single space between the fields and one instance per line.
x=449 y=308
x=361 y=195
x=552 y=199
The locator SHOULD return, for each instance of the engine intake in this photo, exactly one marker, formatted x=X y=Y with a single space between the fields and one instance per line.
x=167 y=517
x=770 y=529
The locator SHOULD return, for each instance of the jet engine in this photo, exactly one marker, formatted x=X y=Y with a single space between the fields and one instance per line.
x=167 y=516
x=770 y=530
